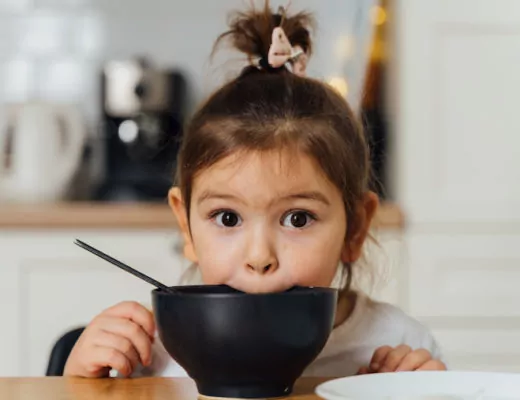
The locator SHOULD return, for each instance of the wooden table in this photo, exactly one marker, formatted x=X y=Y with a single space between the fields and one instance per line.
x=120 y=389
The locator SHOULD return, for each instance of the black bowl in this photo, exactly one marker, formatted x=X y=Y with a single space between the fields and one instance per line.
x=235 y=344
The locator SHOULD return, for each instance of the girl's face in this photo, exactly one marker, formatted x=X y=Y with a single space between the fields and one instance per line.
x=264 y=222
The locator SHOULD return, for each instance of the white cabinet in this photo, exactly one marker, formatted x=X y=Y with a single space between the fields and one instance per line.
x=469 y=345
x=462 y=276
x=457 y=173
x=48 y=285
x=456 y=102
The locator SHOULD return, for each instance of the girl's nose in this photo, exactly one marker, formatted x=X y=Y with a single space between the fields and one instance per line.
x=260 y=257
x=262 y=268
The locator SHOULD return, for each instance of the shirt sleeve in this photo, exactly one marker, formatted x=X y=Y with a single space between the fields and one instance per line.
x=418 y=336
x=406 y=330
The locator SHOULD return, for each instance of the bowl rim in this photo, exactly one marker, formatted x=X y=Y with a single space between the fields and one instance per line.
x=181 y=293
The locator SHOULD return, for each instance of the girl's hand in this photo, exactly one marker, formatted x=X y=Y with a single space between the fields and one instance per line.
x=401 y=358
x=120 y=337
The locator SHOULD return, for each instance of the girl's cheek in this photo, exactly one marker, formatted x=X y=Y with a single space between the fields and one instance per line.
x=312 y=265
x=217 y=261
x=214 y=274
x=315 y=278
x=312 y=268
x=300 y=269
x=215 y=268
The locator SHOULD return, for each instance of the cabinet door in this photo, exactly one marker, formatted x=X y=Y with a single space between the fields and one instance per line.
x=463 y=276
x=457 y=132
x=492 y=348
x=464 y=287
x=50 y=286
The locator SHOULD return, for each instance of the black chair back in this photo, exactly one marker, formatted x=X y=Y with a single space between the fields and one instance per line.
x=61 y=350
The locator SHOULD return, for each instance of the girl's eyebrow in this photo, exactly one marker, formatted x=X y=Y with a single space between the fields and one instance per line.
x=311 y=195
x=211 y=195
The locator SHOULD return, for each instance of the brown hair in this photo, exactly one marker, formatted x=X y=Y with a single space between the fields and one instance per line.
x=264 y=110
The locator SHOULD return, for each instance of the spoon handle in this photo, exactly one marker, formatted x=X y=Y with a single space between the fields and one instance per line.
x=123 y=266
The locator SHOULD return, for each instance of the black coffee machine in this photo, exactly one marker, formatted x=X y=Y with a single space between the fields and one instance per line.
x=142 y=119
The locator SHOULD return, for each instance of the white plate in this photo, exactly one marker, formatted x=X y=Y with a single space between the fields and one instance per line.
x=438 y=385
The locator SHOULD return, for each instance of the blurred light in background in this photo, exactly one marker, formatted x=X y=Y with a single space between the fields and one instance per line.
x=378 y=15
x=128 y=131
x=345 y=47
x=340 y=84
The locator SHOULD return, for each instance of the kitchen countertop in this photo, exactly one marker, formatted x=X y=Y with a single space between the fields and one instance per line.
x=125 y=215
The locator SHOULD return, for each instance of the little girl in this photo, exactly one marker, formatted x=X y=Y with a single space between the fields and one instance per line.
x=272 y=192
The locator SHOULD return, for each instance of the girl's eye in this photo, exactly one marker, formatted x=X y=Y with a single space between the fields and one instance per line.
x=228 y=219
x=297 y=219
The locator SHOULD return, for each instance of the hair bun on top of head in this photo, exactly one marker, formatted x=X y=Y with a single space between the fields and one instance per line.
x=271 y=41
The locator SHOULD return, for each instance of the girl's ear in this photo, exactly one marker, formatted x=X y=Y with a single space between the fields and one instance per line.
x=358 y=232
x=179 y=209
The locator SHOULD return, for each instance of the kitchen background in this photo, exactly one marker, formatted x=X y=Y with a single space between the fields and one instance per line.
x=91 y=91
x=82 y=53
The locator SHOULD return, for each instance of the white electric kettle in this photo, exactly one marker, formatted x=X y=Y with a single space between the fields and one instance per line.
x=40 y=149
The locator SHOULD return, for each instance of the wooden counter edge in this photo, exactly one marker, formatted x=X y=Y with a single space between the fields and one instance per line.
x=86 y=215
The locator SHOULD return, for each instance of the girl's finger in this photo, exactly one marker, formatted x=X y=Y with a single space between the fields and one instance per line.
x=414 y=360
x=379 y=357
x=394 y=358
x=119 y=343
x=102 y=357
x=136 y=312
x=131 y=331
x=433 y=365
x=363 y=371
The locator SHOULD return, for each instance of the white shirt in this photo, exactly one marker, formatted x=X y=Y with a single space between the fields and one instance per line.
x=350 y=346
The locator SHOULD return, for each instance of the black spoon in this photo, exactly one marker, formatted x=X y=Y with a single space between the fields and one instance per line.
x=124 y=267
